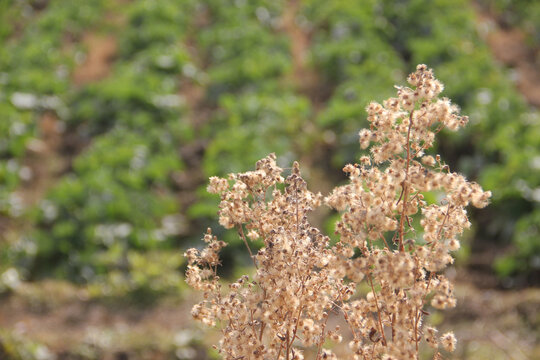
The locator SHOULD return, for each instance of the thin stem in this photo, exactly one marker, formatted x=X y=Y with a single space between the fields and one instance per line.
x=416 y=321
x=321 y=340
x=400 y=196
x=296 y=325
x=393 y=328
x=442 y=227
x=279 y=352
x=346 y=317
x=263 y=325
x=287 y=344
x=405 y=186
x=301 y=290
x=252 y=323
x=385 y=243
x=419 y=313
x=297 y=213
x=240 y=230
x=378 y=309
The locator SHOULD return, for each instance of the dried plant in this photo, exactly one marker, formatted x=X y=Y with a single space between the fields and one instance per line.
x=301 y=277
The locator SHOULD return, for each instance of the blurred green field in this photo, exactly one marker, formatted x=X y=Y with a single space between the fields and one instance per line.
x=114 y=113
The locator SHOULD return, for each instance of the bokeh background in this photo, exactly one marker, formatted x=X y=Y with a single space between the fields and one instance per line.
x=114 y=113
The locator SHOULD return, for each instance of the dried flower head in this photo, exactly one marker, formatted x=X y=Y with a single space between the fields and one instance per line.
x=301 y=278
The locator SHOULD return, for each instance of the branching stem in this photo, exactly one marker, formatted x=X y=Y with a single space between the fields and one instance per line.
x=240 y=230
x=405 y=185
x=378 y=309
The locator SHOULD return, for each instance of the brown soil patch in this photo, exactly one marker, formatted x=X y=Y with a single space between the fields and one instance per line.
x=43 y=159
x=193 y=91
x=489 y=324
x=495 y=324
x=509 y=45
x=51 y=154
x=101 y=52
x=304 y=77
x=299 y=43
x=192 y=153
x=309 y=83
x=59 y=316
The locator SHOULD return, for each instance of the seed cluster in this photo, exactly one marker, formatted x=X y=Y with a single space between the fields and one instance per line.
x=301 y=277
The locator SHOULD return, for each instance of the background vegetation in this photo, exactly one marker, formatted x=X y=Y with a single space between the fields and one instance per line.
x=114 y=113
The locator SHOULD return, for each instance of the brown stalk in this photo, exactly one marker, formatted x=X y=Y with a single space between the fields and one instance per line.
x=416 y=320
x=263 y=325
x=287 y=344
x=378 y=309
x=442 y=227
x=240 y=230
x=321 y=340
x=385 y=243
x=252 y=323
x=393 y=320
x=296 y=325
x=301 y=289
x=419 y=313
x=279 y=352
x=405 y=187
x=345 y=316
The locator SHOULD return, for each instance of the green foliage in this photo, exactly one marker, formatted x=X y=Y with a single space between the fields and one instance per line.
x=375 y=39
x=237 y=44
x=525 y=258
x=14 y=347
x=134 y=98
x=120 y=194
x=151 y=274
x=254 y=124
x=34 y=76
x=109 y=201
x=155 y=24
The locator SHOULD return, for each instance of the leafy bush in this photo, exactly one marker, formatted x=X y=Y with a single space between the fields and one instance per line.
x=35 y=64
x=106 y=208
x=118 y=200
x=238 y=56
x=250 y=125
